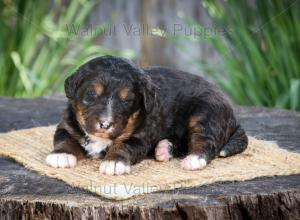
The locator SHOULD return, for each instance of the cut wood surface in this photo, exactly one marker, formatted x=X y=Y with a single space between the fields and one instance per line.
x=26 y=194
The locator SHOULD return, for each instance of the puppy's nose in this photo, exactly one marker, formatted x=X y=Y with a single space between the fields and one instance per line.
x=105 y=124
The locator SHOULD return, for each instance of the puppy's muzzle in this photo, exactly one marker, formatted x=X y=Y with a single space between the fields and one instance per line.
x=105 y=123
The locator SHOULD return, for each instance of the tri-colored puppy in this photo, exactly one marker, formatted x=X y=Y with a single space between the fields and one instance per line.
x=120 y=112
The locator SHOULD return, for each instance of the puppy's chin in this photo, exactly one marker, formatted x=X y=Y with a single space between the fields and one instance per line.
x=102 y=135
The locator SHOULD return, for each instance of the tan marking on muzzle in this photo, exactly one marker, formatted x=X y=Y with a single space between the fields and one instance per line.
x=103 y=135
x=129 y=129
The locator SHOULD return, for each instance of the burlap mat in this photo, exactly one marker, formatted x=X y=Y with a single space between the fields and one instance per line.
x=262 y=158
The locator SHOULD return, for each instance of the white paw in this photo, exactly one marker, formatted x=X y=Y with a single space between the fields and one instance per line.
x=111 y=167
x=222 y=153
x=193 y=162
x=61 y=160
x=162 y=151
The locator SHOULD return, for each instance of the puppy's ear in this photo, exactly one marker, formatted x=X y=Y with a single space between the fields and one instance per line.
x=73 y=82
x=148 y=91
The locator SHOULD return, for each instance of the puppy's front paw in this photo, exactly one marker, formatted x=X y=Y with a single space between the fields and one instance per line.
x=61 y=160
x=193 y=162
x=111 y=167
x=162 y=151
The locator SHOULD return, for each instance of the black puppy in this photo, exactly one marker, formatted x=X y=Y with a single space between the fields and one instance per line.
x=119 y=112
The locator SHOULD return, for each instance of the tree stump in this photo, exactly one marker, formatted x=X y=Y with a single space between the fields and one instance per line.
x=25 y=194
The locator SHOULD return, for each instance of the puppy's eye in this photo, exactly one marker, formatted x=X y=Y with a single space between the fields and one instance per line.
x=89 y=97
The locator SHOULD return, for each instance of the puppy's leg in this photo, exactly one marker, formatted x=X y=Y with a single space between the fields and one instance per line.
x=237 y=143
x=66 y=150
x=121 y=155
x=201 y=144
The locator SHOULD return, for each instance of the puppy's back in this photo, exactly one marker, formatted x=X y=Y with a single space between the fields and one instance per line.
x=175 y=84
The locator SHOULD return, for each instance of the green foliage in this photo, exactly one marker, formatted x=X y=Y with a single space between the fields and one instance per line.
x=260 y=49
x=36 y=50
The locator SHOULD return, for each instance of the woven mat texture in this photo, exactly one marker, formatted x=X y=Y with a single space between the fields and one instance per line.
x=262 y=158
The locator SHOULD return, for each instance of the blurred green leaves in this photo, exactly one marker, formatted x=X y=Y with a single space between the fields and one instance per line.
x=36 y=50
x=260 y=51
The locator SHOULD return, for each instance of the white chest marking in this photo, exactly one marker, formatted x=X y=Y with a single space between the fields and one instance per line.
x=96 y=145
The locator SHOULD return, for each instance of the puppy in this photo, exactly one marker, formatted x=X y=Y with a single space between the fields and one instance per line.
x=119 y=112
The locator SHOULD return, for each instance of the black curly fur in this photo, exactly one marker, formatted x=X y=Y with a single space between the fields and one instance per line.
x=169 y=104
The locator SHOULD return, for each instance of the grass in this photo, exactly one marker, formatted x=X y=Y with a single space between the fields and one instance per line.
x=36 y=50
x=260 y=50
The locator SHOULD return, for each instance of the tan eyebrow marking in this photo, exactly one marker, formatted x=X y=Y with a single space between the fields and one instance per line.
x=124 y=93
x=98 y=87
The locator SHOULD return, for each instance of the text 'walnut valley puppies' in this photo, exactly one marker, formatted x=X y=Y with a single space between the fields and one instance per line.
x=120 y=113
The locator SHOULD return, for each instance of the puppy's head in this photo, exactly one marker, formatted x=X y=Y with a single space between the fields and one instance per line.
x=108 y=94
